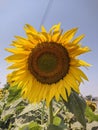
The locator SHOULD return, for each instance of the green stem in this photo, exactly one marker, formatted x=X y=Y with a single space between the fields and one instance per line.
x=43 y=112
x=50 y=113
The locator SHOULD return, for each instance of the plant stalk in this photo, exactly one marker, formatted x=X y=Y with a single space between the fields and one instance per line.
x=50 y=117
x=43 y=113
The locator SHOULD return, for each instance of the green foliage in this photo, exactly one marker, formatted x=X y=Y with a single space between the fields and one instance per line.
x=58 y=124
x=5 y=122
x=31 y=126
x=54 y=127
x=14 y=94
x=7 y=117
x=1 y=111
x=77 y=106
x=1 y=123
x=91 y=115
x=6 y=86
x=19 y=109
x=16 y=113
x=57 y=120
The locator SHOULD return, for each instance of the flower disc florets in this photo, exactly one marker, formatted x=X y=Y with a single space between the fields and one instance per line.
x=48 y=62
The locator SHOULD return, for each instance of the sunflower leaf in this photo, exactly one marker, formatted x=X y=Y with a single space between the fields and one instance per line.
x=54 y=127
x=57 y=121
x=77 y=106
x=58 y=124
x=31 y=126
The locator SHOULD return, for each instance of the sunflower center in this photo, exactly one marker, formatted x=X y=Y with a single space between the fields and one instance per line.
x=48 y=62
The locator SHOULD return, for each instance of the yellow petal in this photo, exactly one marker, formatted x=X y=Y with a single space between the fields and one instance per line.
x=46 y=91
x=40 y=95
x=63 y=93
x=74 y=84
x=29 y=28
x=50 y=95
x=78 y=39
x=47 y=36
x=17 y=65
x=67 y=87
x=56 y=36
x=18 y=51
x=67 y=36
x=55 y=28
x=84 y=63
x=78 y=63
x=57 y=94
x=80 y=51
x=43 y=29
x=79 y=73
x=72 y=71
x=15 y=57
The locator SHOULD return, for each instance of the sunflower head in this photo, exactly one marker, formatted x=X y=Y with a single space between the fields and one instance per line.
x=45 y=63
x=48 y=62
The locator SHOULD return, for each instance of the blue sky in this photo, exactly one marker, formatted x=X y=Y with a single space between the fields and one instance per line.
x=14 y=14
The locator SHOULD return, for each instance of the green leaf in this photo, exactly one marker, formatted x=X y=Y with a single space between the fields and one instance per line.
x=77 y=106
x=54 y=127
x=7 y=117
x=57 y=121
x=19 y=109
x=31 y=126
x=1 y=123
x=58 y=124
x=90 y=114
x=14 y=94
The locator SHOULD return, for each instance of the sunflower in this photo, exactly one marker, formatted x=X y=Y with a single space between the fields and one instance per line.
x=46 y=64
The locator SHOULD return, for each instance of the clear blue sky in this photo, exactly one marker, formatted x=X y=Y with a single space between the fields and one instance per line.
x=14 y=14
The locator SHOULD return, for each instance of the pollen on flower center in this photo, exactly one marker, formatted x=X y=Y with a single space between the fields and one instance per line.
x=48 y=62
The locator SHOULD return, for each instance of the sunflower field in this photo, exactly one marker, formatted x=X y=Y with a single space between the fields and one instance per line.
x=18 y=114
